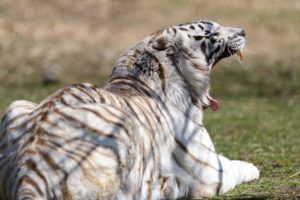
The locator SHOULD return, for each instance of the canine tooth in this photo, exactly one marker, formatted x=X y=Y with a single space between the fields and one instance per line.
x=240 y=54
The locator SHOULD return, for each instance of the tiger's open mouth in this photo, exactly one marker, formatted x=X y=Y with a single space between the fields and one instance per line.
x=235 y=46
x=230 y=51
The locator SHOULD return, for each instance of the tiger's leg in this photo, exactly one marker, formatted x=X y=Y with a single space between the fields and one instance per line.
x=225 y=175
x=214 y=174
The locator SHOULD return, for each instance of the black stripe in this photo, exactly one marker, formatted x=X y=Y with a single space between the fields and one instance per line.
x=12 y=119
x=185 y=149
x=76 y=97
x=102 y=100
x=161 y=74
x=83 y=89
x=30 y=164
x=52 y=164
x=149 y=93
x=175 y=31
x=13 y=142
x=137 y=87
x=183 y=29
x=198 y=37
x=85 y=126
x=207 y=22
x=133 y=111
x=105 y=119
x=203 y=47
x=29 y=181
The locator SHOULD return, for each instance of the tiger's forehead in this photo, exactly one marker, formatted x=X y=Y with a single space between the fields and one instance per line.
x=198 y=26
x=203 y=27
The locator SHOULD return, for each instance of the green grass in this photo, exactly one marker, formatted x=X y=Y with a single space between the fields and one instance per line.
x=264 y=131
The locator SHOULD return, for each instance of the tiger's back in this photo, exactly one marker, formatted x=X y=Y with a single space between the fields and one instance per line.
x=82 y=143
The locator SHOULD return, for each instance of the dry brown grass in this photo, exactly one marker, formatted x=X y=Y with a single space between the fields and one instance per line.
x=34 y=32
x=52 y=28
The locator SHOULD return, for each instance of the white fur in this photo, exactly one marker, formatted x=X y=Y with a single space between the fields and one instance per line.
x=111 y=144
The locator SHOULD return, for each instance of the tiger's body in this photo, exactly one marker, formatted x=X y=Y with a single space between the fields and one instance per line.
x=140 y=137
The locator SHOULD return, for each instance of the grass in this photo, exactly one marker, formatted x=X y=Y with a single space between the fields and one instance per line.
x=264 y=131
x=259 y=117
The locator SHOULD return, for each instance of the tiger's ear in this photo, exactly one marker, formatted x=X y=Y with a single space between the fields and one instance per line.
x=160 y=43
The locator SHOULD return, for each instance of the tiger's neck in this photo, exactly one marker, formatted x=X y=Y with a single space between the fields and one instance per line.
x=180 y=97
x=175 y=95
x=140 y=73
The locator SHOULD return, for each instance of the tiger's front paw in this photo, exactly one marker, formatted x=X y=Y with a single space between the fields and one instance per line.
x=248 y=171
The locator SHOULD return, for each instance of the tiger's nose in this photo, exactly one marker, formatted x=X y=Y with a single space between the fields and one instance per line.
x=242 y=33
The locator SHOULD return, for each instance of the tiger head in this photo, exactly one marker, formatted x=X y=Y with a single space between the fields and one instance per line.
x=188 y=51
x=203 y=42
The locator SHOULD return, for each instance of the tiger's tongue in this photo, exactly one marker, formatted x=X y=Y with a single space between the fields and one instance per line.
x=214 y=104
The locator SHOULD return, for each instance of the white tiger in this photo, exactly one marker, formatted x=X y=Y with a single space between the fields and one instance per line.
x=140 y=137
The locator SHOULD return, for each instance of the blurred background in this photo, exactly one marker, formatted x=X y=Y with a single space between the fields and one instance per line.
x=46 y=45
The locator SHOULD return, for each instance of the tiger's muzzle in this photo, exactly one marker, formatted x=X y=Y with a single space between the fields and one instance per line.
x=235 y=44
